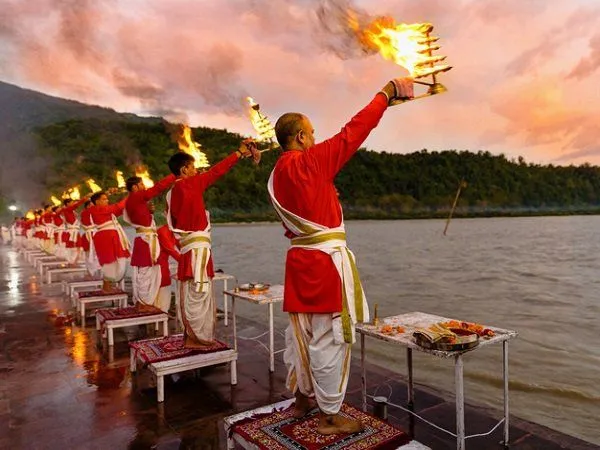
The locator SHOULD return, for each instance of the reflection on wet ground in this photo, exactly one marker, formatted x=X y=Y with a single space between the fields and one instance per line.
x=61 y=388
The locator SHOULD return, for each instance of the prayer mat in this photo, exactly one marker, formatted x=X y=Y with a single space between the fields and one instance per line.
x=280 y=431
x=171 y=347
x=124 y=313
x=99 y=293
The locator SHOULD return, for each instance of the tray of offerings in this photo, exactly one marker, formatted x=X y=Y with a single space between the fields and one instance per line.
x=452 y=340
x=254 y=287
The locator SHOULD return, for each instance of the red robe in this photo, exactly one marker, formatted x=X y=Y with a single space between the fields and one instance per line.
x=303 y=184
x=57 y=220
x=168 y=247
x=188 y=212
x=139 y=214
x=68 y=213
x=106 y=242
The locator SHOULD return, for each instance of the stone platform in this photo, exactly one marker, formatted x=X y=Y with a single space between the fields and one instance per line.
x=60 y=389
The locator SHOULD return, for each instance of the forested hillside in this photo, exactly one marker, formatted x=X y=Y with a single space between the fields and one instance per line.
x=372 y=185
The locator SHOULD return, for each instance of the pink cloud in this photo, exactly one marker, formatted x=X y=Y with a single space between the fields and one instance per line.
x=510 y=89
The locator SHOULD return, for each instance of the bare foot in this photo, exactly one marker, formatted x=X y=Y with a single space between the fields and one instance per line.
x=194 y=344
x=303 y=405
x=107 y=286
x=143 y=307
x=337 y=424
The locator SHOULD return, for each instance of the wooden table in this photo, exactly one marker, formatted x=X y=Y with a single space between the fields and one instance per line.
x=410 y=322
x=270 y=297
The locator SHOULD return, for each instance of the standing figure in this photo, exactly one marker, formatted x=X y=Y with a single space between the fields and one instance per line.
x=146 y=276
x=189 y=220
x=323 y=293
x=110 y=242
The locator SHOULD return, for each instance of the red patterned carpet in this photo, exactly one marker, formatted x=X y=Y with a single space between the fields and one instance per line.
x=125 y=313
x=99 y=293
x=171 y=347
x=280 y=431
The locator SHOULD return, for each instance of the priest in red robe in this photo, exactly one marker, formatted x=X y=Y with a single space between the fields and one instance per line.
x=146 y=276
x=110 y=242
x=189 y=220
x=323 y=294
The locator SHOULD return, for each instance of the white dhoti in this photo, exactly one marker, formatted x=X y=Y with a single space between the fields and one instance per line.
x=115 y=271
x=146 y=284
x=198 y=311
x=318 y=366
x=163 y=300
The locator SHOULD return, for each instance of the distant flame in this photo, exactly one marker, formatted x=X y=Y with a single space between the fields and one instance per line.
x=55 y=201
x=261 y=123
x=120 y=179
x=30 y=215
x=74 y=193
x=142 y=172
x=408 y=45
x=93 y=186
x=187 y=145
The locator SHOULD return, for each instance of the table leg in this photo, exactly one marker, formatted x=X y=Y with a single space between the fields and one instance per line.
x=165 y=328
x=160 y=388
x=111 y=336
x=271 y=340
x=505 y=378
x=82 y=308
x=226 y=319
x=233 y=318
x=233 y=369
x=132 y=360
x=460 y=403
x=363 y=375
x=410 y=385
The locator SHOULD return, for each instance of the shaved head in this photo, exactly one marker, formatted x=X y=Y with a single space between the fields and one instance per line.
x=287 y=127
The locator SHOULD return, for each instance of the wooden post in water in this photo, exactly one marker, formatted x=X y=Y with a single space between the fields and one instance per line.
x=462 y=184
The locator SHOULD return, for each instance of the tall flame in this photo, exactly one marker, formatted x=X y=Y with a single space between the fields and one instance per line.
x=74 y=193
x=261 y=123
x=55 y=201
x=142 y=172
x=187 y=145
x=30 y=215
x=120 y=179
x=408 y=45
x=93 y=186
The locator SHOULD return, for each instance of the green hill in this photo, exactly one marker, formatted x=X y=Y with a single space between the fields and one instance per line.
x=372 y=185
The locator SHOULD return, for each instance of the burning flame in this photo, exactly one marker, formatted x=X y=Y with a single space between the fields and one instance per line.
x=74 y=193
x=408 y=45
x=142 y=172
x=55 y=201
x=187 y=145
x=120 y=179
x=260 y=122
x=93 y=186
x=30 y=215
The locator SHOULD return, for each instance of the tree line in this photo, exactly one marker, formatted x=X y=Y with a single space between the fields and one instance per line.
x=373 y=185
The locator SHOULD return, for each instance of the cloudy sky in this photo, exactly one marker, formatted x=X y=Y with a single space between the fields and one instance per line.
x=525 y=77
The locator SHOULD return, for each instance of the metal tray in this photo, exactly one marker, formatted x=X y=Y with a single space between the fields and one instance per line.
x=463 y=342
x=254 y=287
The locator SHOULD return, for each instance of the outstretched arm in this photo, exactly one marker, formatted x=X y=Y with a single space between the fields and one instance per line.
x=331 y=155
x=159 y=187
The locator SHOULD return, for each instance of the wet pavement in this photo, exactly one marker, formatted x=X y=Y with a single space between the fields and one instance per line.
x=61 y=388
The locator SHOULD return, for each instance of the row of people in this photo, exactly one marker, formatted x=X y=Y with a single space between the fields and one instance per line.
x=323 y=294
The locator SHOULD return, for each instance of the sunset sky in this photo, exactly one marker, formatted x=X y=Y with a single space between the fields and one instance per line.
x=525 y=77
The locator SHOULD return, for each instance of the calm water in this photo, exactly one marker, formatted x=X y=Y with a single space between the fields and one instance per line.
x=538 y=276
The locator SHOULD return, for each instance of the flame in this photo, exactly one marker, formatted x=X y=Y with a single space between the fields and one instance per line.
x=120 y=179
x=262 y=125
x=187 y=145
x=30 y=215
x=142 y=172
x=55 y=201
x=93 y=186
x=408 y=45
x=74 y=193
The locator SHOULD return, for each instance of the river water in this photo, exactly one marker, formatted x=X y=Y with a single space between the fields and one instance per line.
x=538 y=276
